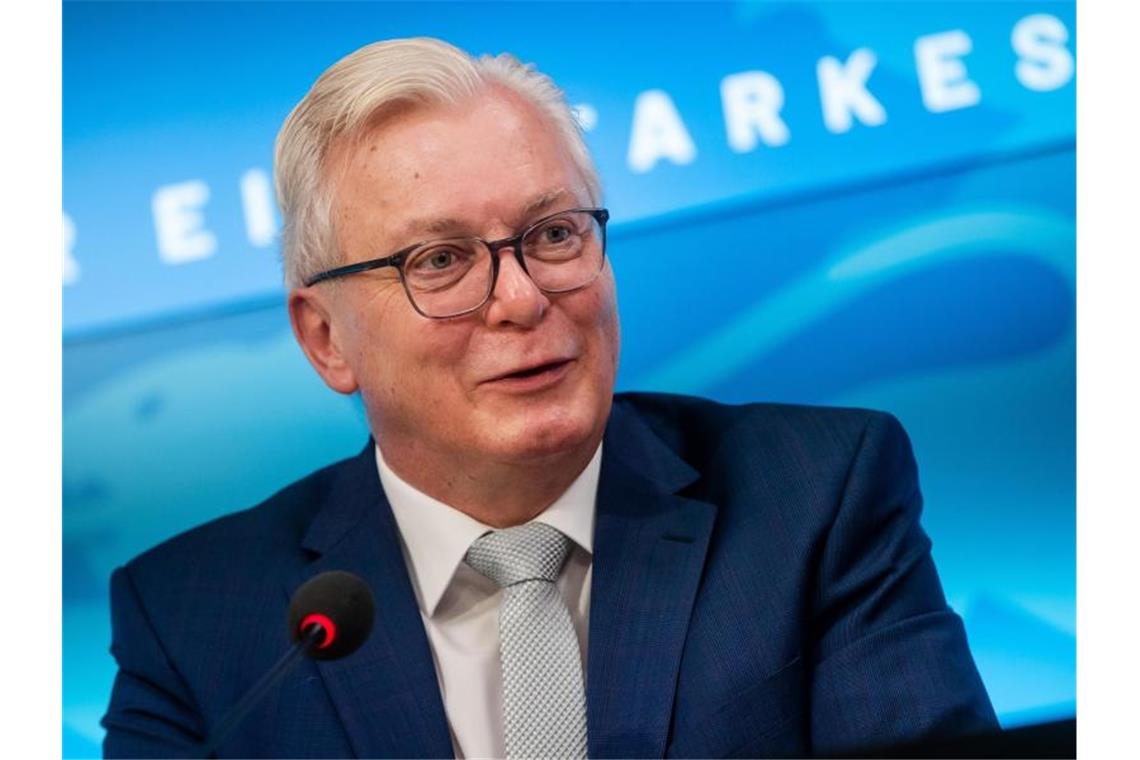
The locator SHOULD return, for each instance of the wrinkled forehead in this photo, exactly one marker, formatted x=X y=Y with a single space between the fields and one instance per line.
x=479 y=166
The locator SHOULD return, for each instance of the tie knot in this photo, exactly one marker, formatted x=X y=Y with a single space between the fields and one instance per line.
x=534 y=551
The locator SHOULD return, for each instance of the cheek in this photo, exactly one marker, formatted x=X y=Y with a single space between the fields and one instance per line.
x=412 y=383
x=427 y=362
x=400 y=358
x=604 y=319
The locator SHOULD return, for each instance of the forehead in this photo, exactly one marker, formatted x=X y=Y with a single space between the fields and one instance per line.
x=475 y=167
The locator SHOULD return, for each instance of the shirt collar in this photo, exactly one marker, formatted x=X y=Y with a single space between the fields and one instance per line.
x=436 y=536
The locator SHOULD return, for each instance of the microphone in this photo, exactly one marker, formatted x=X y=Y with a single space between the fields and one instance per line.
x=338 y=603
x=330 y=616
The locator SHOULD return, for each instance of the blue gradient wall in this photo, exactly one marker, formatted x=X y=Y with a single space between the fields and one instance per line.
x=848 y=203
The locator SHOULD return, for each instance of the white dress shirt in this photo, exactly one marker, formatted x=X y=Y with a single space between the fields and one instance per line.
x=460 y=607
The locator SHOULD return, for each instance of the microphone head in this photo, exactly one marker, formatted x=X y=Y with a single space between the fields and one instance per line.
x=342 y=604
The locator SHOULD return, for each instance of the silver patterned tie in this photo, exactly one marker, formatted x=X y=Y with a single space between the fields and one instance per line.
x=544 y=703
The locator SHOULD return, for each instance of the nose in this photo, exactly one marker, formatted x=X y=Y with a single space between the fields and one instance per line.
x=516 y=300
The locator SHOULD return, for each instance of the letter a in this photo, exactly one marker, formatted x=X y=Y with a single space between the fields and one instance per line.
x=657 y=133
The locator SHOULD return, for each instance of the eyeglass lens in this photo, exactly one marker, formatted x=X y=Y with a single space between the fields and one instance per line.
x=449 y=277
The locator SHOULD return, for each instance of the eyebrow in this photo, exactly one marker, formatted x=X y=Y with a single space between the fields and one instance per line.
x=452 y=225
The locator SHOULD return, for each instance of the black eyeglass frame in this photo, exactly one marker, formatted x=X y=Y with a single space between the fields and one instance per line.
x=397 y=259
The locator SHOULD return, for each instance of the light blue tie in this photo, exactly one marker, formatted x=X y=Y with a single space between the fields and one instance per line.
x=544 y=702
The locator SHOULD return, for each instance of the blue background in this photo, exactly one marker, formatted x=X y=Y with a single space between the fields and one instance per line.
x=925 y=266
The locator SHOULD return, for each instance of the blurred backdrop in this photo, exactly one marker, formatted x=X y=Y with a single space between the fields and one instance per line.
x=850 y=203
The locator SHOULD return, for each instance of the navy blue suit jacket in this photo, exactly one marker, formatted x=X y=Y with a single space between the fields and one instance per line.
x=761 y=587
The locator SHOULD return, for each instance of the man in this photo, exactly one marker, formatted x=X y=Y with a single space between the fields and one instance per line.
x=557 y=570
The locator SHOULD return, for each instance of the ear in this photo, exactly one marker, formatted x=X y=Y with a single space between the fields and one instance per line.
x=313 y=326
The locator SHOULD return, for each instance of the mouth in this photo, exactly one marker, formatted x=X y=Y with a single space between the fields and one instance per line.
x=533 y=377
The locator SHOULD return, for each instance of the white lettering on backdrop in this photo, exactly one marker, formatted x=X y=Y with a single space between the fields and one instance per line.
x=843 y=91
x=751 y=102
x=657 y=133
x=1046 y=64
x=179 y=223
x=942 y=75
x=260 y=210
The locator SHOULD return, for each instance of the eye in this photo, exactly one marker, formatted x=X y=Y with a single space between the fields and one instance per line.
x=557 y=232
x=439 y=266
x=438 y=259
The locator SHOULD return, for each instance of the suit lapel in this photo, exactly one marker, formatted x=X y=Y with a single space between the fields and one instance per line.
x=386 y=693
x=649 y=550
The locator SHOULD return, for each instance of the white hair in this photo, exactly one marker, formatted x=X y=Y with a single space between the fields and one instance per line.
x=346 y=100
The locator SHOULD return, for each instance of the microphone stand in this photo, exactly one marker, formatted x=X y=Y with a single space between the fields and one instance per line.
x=313 y=634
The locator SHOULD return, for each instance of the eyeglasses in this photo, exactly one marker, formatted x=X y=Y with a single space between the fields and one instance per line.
x=456 y=276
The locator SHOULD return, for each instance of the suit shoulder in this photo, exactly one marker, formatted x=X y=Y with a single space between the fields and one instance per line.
x=277 y=523
x=776 y=469
x=681 y=420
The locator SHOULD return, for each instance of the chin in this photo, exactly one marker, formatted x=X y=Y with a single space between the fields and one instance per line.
x=539 y=432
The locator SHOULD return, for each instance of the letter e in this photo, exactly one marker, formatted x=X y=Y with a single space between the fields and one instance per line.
x=178 y=222
x=941 y=73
